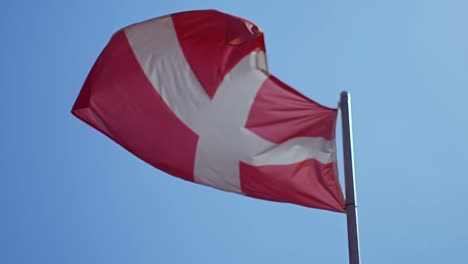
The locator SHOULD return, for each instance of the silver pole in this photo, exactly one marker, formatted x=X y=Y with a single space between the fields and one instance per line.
x=351 y=206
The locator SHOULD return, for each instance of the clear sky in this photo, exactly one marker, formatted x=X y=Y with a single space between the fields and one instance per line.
x=68 y=194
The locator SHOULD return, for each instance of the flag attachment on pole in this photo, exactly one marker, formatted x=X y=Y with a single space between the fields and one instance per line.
x=351 y=206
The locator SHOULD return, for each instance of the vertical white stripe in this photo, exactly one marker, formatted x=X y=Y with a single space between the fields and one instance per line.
x=157 y=49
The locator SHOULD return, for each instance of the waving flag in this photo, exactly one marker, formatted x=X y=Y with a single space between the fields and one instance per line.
x=190 y=94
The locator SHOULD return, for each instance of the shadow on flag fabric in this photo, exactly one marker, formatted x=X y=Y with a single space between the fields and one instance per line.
x=190 y=94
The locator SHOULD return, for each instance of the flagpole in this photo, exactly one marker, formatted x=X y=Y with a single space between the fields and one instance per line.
x=351 y=206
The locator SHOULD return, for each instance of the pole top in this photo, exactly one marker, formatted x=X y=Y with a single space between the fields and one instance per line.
x=345 y=94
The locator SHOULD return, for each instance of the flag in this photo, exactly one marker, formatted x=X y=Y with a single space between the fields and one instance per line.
x=191 y=95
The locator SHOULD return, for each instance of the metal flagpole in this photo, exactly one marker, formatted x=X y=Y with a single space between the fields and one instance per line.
x=351 y=206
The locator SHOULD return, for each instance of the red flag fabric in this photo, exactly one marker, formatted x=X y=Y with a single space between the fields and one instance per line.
x=190 y=94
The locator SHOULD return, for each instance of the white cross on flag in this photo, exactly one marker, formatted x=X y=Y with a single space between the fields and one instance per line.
x=190 y=94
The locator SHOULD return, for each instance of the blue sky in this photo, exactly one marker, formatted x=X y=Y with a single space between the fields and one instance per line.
x=70 y=195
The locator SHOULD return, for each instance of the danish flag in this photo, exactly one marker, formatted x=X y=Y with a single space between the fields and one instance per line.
x=190 y=94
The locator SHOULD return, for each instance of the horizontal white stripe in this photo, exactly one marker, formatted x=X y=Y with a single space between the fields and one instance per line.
x=296 y=150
